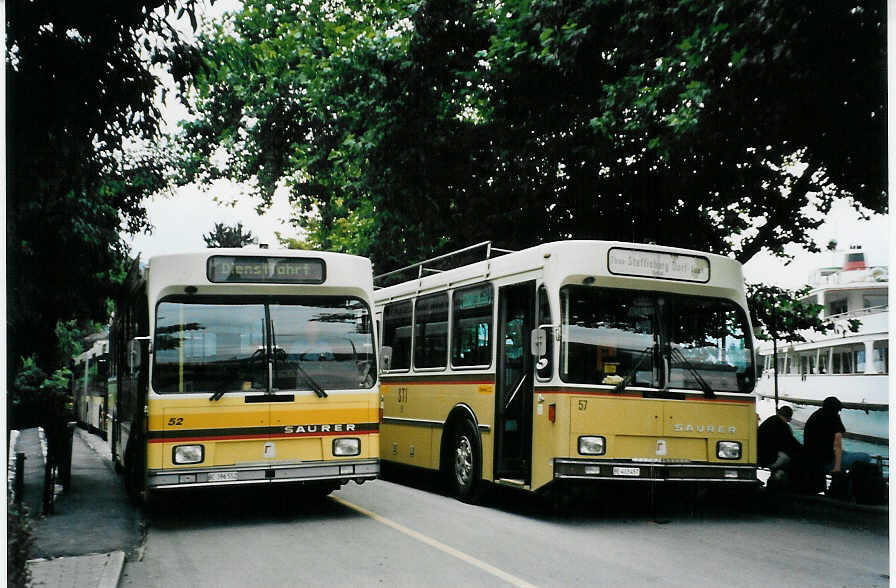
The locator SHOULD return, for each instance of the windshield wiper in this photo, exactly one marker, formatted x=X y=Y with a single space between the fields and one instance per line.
x=318 y=389
x=707 y=390
x=646 y=352
x=231 y=376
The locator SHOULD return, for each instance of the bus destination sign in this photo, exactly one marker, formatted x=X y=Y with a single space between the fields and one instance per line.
x=265 y=270
x=655 y=264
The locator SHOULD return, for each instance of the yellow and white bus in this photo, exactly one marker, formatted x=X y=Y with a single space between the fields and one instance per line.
x=90 y=374
x=237 y=366
x=570 y=363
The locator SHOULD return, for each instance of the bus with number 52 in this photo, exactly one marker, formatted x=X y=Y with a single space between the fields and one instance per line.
x=245 y=367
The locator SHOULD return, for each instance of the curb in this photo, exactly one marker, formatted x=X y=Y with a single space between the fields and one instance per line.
x=112 y=571
x=102 y=570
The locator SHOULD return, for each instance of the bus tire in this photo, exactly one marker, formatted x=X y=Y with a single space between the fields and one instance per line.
x=133 y=476
x=465 y=463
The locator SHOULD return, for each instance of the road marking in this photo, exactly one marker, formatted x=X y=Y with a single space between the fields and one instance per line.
x=509 y=578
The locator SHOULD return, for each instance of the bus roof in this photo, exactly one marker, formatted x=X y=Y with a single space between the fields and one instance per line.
x=258 y=271
x=608 y=263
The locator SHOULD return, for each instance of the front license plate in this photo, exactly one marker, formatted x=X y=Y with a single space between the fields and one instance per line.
x=222 y=477
x=626 y=471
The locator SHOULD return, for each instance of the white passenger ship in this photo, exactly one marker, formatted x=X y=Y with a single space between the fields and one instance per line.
x=851 y=366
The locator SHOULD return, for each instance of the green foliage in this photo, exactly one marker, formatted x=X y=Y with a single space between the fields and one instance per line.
x=19 y=541
x=68 y=341
x=225 y=236
x=58 y=384
x=81 y=126
x=406 y=129
x=778 y=313
x=29 y=377
x=463 y=121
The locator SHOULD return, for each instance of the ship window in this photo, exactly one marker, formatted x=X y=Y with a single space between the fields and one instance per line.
x=874 y=300
x=823 y=361
x=837 y=306
x=848 y=359
x=859 y=357
x=881 y=356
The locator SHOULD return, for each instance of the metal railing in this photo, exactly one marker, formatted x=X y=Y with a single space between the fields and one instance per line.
x=421 y=268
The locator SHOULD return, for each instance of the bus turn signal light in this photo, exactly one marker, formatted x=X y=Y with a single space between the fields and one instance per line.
x=552 y=413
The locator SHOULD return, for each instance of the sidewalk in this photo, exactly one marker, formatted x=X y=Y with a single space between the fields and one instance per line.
x=93 y=526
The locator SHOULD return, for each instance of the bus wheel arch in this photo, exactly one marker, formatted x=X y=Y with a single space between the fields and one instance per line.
x=133 y=473
x=461 y=455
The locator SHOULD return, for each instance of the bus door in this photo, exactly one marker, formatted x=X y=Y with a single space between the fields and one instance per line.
x=513 y=410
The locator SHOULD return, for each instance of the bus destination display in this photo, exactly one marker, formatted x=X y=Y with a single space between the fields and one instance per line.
x=265 y=270
x=655 y=264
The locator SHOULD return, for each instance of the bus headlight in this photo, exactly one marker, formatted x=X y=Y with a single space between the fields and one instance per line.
x=346 y=446
x=592 y=445
x=182 y=454
x=728 y=449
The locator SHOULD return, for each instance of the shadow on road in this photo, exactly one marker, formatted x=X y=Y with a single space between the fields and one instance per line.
x=612 y=501
x=229 y=507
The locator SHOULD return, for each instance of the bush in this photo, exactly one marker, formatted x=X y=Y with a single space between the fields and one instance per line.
x=18 y=545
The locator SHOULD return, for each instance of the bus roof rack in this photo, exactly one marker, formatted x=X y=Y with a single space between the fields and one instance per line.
x=422 y=269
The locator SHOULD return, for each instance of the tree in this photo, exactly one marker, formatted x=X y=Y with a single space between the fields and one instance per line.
x=645 y=122
x=784 y=315
x=81 y=122
x=224 y=236
x=403 y=131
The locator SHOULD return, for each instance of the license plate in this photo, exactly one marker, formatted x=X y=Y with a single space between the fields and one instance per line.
x=626 y=471
x=222 y=477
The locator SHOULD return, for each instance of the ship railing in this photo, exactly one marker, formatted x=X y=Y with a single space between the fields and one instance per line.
x=866 y=406
x=860 y=312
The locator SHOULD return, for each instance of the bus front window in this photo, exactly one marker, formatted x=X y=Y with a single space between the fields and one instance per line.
x=607 y=335
x=708 y=336
x=219 y=346
x=610 y=334
x=209 y=348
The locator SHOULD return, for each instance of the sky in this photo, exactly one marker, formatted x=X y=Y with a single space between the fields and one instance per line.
x=181 y=219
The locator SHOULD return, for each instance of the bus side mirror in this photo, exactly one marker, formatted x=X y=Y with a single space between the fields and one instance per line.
x=539 y=342
x=136 y=349
x=385 y=358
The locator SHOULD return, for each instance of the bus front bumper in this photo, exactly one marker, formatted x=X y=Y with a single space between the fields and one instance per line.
x=589 y=469
x=336 y=471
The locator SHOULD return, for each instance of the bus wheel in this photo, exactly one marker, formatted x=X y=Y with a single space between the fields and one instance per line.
x=133 y=477
x=465 y=464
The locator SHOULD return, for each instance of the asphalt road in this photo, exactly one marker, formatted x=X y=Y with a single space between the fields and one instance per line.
x=384 y=533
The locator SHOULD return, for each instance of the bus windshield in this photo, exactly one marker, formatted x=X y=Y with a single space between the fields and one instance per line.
x=221 y=345
x=608 y=335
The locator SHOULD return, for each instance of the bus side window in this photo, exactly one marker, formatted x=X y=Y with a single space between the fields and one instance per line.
x=397 y=333
x=471 y=328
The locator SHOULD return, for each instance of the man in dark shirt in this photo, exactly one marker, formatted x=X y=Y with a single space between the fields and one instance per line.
x=777 y=445
x=823 y=436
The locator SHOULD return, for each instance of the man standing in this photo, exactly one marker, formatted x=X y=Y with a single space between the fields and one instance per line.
x=823 y=436
x=777 y=445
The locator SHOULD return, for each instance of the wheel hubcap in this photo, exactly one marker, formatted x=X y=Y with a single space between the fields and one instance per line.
x=463 y=462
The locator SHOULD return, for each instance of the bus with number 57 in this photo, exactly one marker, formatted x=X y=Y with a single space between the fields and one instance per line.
x=245 y=367
x=573 y=363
